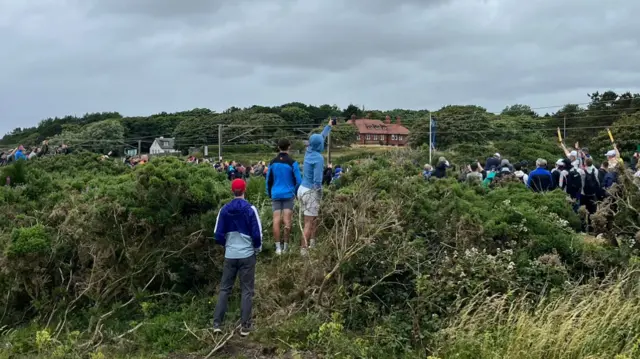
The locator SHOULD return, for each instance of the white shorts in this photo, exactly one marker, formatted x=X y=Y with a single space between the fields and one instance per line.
x=310 y=201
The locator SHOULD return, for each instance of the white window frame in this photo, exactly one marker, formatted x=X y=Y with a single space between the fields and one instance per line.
x=394 y=137
x=358 y=137
x=368 y=137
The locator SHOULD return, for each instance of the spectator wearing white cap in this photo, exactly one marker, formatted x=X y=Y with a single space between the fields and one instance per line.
x=613 y=157
x=575 y=156
x=559 y=175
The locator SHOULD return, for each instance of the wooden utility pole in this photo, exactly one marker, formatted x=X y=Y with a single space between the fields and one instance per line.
x=139 y=147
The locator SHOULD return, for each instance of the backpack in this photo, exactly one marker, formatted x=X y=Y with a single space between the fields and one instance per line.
x=574 y=182
x=591 y=185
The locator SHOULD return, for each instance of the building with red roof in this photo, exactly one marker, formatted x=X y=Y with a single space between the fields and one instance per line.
x=376 y=132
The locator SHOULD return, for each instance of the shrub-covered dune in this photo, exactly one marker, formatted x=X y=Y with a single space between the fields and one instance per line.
x=102 y=261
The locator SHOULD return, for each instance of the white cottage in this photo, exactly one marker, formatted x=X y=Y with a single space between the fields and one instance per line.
x=162 y=145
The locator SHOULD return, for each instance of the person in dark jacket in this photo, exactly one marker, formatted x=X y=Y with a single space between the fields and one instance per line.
x=239 y=230
x=493 y=162
x=441 y=168
x=540 y=179
x=327 y=175
x=283 y=180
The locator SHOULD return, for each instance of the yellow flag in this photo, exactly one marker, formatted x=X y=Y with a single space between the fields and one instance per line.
x=559 y=135
x=610 y=135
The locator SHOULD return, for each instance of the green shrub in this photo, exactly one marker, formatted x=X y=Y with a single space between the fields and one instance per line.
x=30 y=240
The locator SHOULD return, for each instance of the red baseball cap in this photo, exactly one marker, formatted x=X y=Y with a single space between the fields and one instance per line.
x=238 y=185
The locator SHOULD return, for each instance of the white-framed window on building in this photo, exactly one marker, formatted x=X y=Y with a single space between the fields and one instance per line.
x=394 y=137
x=399 y=138
x=375 y=137
x=368 y=137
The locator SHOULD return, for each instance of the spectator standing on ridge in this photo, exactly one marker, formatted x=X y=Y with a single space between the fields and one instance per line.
x=520 y=174
x=310 y=192
x=327 y=175
x=493 y=162
x=475 y=173
x=540 y=179
x=258 y=169
x=575 y=182
x=613 y=157
x=427 y=172
x=505 y=166
x=604 y=168
x=559 y=175
x=610 y=177
x=44 y=149
x=283 y=180
x=591 y=189
x=337 y=175
x=441 y=168
x=231 y=171
x=19 y=153
x=239 y=230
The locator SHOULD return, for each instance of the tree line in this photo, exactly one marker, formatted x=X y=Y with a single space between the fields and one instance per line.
x=456 y=125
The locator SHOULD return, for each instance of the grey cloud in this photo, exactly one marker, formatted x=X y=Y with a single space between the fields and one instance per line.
x=140 y=57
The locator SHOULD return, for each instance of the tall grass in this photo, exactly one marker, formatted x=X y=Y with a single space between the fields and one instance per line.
x=588 y=322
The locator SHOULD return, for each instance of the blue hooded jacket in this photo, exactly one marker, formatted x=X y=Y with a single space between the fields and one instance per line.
x=313 y=160
x=19 y=155
x=238 y=228
x=283 y=177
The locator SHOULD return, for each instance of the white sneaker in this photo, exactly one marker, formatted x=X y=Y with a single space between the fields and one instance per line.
x=304 y=252
x=278 y=251
x=312 y=243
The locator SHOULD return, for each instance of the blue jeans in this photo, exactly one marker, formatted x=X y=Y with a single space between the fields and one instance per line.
x=246 y=269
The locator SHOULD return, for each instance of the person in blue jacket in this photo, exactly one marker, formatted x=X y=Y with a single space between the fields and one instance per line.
x=19 y=154
x=310 y=191
x=283 y=180
x=540 y=179
x=239 y=230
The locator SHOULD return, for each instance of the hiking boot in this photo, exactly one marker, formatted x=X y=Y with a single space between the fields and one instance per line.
x=216 y=329
x=245 y=331
x=312 y=243
x=304 y=252
x=278 y=251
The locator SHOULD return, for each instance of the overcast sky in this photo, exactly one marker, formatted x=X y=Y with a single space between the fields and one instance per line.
x=139 y=57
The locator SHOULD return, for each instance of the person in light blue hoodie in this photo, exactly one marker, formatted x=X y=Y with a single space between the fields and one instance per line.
x=310 y=191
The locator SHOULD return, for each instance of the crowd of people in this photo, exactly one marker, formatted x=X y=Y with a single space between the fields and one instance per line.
x=575 y=173
x=239 y=229
x=21 y=153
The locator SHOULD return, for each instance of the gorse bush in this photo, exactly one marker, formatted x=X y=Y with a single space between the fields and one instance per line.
x=28 y=240
x=125 y=259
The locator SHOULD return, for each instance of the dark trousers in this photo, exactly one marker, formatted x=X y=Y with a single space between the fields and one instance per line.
x=246 y=269
x=591 y=203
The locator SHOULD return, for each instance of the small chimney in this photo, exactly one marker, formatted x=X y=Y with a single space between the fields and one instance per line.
x=398 y=120
x=387 y=120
